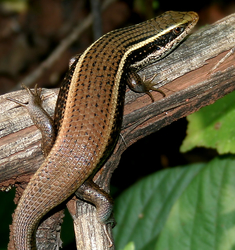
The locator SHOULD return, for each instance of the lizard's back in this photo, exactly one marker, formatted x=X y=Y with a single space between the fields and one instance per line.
x=89 y=116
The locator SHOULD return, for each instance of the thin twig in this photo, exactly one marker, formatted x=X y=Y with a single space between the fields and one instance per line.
x=96 y=16
x=55 y=55
x=222 y=60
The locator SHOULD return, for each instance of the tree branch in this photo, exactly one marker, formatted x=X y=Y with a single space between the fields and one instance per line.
x=190 y=86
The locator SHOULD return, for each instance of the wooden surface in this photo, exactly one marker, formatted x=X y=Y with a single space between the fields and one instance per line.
x=188 y=83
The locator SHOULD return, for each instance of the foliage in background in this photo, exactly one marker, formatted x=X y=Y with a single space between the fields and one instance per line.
x=213 y=127
x=190 y=207
x=14 y=5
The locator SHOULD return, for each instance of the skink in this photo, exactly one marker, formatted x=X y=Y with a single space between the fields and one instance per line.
x=89 y=114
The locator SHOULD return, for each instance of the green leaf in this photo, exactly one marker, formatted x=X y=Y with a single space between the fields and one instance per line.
x=213 y=127
x=142 y=210
x=204 y=216
x=14 y=5
x=130 y=246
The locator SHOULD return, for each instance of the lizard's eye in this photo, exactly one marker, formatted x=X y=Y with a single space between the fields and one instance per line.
x=178 y=30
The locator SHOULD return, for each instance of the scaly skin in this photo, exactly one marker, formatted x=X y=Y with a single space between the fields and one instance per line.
x=90 y=110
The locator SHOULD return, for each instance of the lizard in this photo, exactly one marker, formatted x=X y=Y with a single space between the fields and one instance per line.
x=88 y=117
